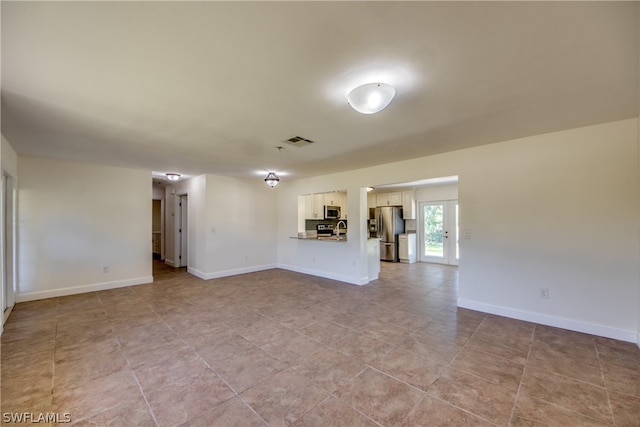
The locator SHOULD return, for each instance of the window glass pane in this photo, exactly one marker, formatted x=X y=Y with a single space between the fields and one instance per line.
x=433 y=231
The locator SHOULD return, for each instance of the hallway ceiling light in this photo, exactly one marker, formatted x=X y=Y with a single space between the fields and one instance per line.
x=272 y=179
x=371 y=98
x=173 y=176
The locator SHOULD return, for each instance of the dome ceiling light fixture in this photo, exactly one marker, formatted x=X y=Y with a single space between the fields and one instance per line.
x=371 y=98
x=272 y=179
x=173 y=176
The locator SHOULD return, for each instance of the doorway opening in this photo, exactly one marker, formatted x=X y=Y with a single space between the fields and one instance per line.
x=156 y=228
x=438 y=231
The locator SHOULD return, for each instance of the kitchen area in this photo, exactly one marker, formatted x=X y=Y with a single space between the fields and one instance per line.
x=323 y=216
x=391 y=221
x=388 y=223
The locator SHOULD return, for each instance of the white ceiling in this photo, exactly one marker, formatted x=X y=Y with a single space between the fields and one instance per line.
x=214 y=87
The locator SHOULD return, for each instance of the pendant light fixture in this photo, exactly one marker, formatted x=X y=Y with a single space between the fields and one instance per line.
x=371 y=98
x=272 y=179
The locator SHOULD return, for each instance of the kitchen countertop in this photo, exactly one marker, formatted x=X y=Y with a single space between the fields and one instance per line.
x=324 y=239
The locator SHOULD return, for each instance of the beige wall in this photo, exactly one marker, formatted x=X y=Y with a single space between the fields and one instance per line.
x=75 y=219
x=240 y=226
x=555 y=211
x=433 y=193
x=232 y=225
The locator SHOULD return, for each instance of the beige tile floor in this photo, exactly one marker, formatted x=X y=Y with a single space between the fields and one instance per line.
x=282 y=348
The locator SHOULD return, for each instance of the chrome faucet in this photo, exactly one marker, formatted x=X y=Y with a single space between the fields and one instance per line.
x=337 y=230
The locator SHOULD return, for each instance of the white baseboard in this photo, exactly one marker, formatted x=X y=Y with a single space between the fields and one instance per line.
x=558 y=322
x=199 y=274
x=60 y=292
x=232 y=272
x=169 y=262
x=327 y=275
x=319 y=273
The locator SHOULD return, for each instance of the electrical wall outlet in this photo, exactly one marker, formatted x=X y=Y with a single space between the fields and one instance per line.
x=544 y=293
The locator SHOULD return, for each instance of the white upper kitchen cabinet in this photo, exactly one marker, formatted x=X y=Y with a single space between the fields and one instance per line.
x=408 y=205
x=332 y=199
x=337 y=198
x=372 y=201
x=343 y=204
x=315 y=203
x=314 y=206
x=390 y=199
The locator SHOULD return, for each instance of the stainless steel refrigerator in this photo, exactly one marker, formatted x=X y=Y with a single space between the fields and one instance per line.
x=389 y=223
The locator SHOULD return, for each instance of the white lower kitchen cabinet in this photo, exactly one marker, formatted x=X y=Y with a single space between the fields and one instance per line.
x=373 y=258
x=407 y=248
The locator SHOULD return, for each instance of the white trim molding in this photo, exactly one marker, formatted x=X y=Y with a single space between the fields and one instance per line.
x=232 y=272
x=327 y=275
x=548 y=320
x=61 y=292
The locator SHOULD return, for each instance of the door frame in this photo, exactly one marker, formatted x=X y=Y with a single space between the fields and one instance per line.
x=8 y=246
x=450 y=227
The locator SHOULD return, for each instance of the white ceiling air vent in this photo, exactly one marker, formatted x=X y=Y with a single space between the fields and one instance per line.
x=299 y=141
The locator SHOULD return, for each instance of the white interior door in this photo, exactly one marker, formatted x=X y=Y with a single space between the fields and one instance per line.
x=438 y=228
x=183 y=232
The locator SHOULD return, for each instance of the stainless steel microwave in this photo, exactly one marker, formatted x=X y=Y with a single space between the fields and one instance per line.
x=332 y=212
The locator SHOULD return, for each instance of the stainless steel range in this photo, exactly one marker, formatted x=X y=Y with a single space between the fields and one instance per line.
x=324 y=230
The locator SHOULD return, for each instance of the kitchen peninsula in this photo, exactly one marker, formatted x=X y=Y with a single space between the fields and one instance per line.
x=322 y=216
x=326 y=232
x=303 y=236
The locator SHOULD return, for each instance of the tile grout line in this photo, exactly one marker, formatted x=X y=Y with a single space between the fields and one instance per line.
x=133 y=373
x=449 y=366
x=553 y=404
x=144 y=396
x=238 y=395
x=524 y=370
x=423 y=393
x=251 y=409
x=53 y=362
x=604 y=382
